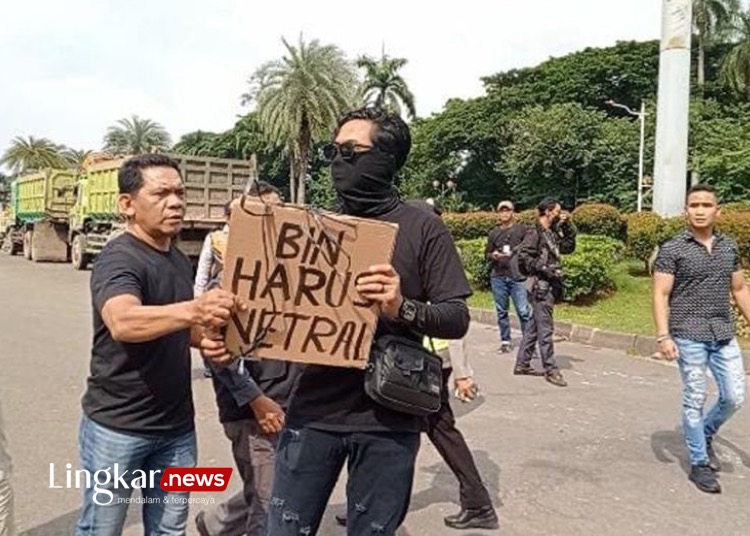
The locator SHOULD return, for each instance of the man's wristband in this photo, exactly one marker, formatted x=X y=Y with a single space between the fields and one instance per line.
x=662 y=338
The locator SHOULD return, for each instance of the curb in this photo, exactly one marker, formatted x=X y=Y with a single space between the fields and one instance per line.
x=628 y=342
x=638 y=345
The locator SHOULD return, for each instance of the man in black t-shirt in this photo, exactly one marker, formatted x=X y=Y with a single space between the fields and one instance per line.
x=138 y=407
x=502 y=251
x=331 y=420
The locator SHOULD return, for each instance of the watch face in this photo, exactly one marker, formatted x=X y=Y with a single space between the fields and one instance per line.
x=408 y=311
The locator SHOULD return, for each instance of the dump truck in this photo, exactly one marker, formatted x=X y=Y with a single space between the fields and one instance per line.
x=40 y=207
x=87 y=216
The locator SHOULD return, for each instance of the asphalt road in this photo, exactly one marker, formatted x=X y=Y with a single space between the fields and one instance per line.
x=604 y=455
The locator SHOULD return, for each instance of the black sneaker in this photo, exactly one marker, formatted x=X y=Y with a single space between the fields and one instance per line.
x=526 y=370
x=555 y=377
x=480 y=518
x=713 y=460
x=505 y=347
x=704 y=479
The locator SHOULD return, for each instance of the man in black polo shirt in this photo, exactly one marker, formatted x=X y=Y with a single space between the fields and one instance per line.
x=694 y=274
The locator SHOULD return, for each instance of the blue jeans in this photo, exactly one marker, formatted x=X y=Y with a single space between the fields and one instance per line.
x=105 y=505
x=725 y=361
x=308 y=464
x=504 y=288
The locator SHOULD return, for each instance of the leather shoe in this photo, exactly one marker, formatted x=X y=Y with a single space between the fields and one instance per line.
x=526 y=370
x=556 y=378
x=479 y=518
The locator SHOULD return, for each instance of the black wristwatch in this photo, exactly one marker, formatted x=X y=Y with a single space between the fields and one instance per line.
x=408 y=311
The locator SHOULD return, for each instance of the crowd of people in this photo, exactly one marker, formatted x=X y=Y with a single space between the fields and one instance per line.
x=292 y=428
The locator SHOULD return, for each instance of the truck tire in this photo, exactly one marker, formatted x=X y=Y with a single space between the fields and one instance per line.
x=78 y=256
x=28 y=238
x=9 y=247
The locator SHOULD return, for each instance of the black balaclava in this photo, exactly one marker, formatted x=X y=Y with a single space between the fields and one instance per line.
x=364 y=183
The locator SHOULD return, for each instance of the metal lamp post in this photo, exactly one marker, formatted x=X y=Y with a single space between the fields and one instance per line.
x=642 y=117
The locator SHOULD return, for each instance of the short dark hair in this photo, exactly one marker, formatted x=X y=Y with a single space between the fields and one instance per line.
x=260 y=188
x=391 y=134
x=548 y=203
x=702 y=187
x=130 y=176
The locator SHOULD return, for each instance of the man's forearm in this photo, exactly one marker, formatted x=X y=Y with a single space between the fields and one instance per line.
x=742 y=299
x=661 y=314
x=143 y=323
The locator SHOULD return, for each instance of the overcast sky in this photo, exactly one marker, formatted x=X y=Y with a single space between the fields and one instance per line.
x=71 y=68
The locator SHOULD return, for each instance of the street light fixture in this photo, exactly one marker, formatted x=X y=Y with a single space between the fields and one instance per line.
x=642 y=117
x=443 y=186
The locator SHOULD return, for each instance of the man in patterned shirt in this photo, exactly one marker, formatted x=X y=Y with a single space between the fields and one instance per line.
x=694 y=274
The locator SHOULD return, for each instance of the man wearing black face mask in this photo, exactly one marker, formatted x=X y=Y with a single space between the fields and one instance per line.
x=331 y=420
x=539 y=256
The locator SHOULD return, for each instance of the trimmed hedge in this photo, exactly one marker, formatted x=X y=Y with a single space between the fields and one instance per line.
x=477 y=267
x=647 y=230
x=598 y=219
x=736 y=206
x=588 y=271
x=470 y=225
x=643 y=234
x=528 y=216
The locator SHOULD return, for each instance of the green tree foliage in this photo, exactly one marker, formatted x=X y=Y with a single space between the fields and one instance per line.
x=32 y=154
x=552 y=151
x=384 y=87
x=736 y=66
x=711 y=19
x=4 y=189
x=135 y=136
x=720 y=147
x=299 y=98
x=626 y=72
x=76 y=158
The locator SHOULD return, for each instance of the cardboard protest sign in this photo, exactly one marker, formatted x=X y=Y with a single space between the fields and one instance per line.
x=297 y=269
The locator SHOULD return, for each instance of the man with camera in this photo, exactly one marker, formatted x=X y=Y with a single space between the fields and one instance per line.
x=540 y=256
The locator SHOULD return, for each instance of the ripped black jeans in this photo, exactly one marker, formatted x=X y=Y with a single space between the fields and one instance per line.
x=308 y=464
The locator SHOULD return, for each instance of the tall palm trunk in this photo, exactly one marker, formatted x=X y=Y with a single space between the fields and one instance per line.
x=305 y=141
x=293 y=167
x=701 y=61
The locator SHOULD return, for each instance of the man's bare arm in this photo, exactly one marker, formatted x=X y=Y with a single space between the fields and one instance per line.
x=662 y=289
x=128 y=320
x=741 y=293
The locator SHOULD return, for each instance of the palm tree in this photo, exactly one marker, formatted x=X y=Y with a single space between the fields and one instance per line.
x=136 y=136
x=299 y=98
x=76 y=158
x=31 y=154
x=198 y=143
x=735 y=69
x=383 y=86
x=711 y=18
